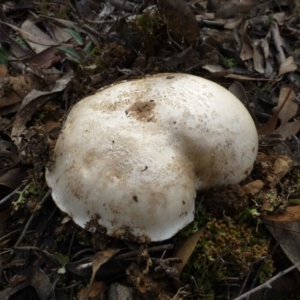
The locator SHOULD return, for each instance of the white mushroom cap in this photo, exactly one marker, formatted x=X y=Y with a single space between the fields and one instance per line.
x=132 y=156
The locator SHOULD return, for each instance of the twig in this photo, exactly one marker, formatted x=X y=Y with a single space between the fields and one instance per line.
x=267 y=284
x=5 y=200
x=136 y=252
x=31 y=218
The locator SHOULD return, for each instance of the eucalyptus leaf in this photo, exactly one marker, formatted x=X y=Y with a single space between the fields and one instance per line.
x=75 y=35
x=71 y=52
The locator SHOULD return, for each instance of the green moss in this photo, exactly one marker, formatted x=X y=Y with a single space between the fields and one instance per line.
x=228 y=249
x=149 y=21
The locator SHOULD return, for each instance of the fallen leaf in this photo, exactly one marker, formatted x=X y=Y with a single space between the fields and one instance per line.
x=290 y=214
x=288 y=129
x=233 y=7
x=290 y=108
x=99 y=259
x=44 y=59
x=287 y=66
x=12 y=178
x=17 y=49
x=281 y=167
x=31 y=276
x=34 y=100
x=96 y=293
x=184 y=252
x=258 y=58
x=181 y=22
x=246 y=49
x=35 y=37
x=287 y=235
x=237 y=89
x=270 y=126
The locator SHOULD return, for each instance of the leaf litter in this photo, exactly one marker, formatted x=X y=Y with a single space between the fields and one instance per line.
x=53 y=55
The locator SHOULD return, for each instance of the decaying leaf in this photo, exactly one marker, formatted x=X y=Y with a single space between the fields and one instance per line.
x=31 y=276
x=11 y=172
x=246 y=49
x=288 y=65
x=289 y=129
x=17 y=49
x=289 y=214
x=99 y=259
x=96 y=292
x=237 y=89
x=180 y=20
x=270 y=126
x=258 y=58
x=288 y=111
x=184 y=252
x=35 y=37
x=233 y=7
x=16 y=88
x=287 y=234
x=44 y=59
x=290 y=108
x=34 y=100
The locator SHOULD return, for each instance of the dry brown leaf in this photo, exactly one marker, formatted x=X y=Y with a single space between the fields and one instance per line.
x=246 y=49
x=290 y=108
x=184 y=252
x=34 y=277
x=96 y=292
x=45 y=59
x=23 y=84
x=290 y=214
x=99 y=259
x=247 y=78
x=61 y=35
x=288 y=129
x=233 y=23
x=270 y=126
x=37 y=39
x=288 y=65
x=233 y=7
x=258 y=59
x=34 y=100
x=12 y=178
x=3 y=71
x=214 y=69
x=17 y=49
x=287 y=234
x=180 y=20
x=47 y=41
x=281 y=167
x=237 y=89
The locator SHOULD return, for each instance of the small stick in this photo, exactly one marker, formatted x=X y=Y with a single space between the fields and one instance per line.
x=267 y=284
x=31 y=218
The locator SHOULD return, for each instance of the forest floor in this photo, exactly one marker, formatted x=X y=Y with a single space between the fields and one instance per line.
x=244 y=241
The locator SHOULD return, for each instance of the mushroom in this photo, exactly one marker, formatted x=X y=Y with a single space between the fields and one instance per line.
x=131 y=157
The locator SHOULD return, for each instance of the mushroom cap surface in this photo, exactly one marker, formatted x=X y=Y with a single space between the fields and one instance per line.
x=131 y=157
